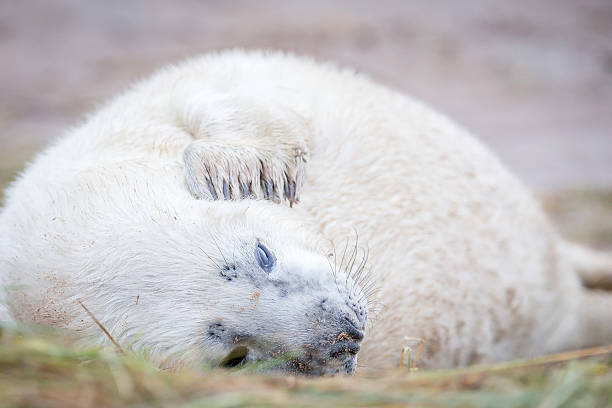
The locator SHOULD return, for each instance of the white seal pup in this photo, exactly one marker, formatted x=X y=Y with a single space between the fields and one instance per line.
x=196 y=215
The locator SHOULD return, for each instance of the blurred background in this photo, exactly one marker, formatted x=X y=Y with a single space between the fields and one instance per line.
x=533 y=80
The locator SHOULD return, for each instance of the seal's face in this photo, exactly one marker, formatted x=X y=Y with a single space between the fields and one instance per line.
x=279 y=302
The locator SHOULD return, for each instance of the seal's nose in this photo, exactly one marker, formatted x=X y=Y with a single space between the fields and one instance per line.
x=352 y=331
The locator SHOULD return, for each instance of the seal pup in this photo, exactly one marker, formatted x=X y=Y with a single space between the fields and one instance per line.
x=203 y=215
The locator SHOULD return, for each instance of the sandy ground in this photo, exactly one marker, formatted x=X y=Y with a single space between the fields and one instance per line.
x=532 y=79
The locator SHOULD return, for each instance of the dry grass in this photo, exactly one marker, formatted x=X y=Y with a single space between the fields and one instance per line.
x=42 y=368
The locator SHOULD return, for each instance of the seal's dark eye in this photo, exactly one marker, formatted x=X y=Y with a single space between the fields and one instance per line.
x=264 y=257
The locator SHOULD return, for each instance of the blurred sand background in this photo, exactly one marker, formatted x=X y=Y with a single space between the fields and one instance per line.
x=532 y=79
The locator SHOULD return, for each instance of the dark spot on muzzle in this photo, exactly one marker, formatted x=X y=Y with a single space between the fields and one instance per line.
x=228 y=272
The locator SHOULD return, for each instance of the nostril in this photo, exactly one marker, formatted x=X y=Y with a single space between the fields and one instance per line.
x=352 y=330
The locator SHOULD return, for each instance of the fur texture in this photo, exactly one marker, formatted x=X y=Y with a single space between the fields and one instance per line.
x=137 y=211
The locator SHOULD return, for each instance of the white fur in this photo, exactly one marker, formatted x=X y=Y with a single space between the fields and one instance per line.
x=462 y=255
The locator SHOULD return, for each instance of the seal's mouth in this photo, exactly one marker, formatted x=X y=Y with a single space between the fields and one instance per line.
x=339 y=358
x=236 y=357
x=322 y=355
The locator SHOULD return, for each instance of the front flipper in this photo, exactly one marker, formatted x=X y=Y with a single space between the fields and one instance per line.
x=229 y=172
x=245 y=151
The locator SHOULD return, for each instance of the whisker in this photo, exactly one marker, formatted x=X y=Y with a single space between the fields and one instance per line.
x=366 y=275
x=208 y=256
x=234 y=256
x=375 y=308
x=360 y=267
x=374 y=291
x=363 y=265
x=353 y=274
x=370 y=289
x=344 y=254
x=355 y=251
x=352 y=259
x=219 y=248
x=335 y=260
x=331 y=268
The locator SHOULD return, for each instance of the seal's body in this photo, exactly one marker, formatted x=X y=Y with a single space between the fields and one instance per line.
x=151 y=211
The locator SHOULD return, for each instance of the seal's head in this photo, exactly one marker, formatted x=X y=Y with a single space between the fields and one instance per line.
x=233 y=282
x=278 y=298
